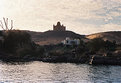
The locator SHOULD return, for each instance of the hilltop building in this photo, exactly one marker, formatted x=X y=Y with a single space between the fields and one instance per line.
x=59 y=27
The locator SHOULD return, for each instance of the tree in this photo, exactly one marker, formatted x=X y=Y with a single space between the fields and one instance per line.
x=81 y=47
x=5 y=26
x=14 y=39
x=110 y=46
x=96 y=44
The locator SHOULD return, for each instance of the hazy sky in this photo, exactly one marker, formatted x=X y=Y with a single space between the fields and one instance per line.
x=81 y=16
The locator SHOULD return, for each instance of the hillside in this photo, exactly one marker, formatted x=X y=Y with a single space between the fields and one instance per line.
x=111 y=36
x=52 y=37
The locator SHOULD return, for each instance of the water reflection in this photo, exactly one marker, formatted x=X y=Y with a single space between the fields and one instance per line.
x=100 y=73
x=39 y=72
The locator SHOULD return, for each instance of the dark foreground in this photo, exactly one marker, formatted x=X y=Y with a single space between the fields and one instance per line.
x=66 y=58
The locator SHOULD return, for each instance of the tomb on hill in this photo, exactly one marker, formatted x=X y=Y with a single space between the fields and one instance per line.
x=59 y=27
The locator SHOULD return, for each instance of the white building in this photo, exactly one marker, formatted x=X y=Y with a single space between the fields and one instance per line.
x=69 y=41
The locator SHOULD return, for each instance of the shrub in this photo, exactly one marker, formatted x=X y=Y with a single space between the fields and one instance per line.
x=96 y=44
x=99 y=44
x=14 y=39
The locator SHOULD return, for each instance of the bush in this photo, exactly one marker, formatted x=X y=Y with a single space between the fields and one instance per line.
x=22 y=52
x=110 y=46
x=14 y=39
x=29 y=52
x=99 y=44
x=96 y=44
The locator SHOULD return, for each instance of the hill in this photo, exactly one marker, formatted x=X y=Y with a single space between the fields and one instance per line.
x=52 y=37
x=111 y=36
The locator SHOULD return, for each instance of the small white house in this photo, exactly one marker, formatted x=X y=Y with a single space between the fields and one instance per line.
x=69 y=41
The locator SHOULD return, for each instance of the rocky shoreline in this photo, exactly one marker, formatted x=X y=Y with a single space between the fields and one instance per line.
x=87 y=59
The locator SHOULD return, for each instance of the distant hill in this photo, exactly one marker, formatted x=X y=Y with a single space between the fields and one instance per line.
x=52 y=37
x=111 y=36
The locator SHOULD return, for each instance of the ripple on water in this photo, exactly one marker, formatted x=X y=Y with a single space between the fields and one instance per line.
x=37 y=72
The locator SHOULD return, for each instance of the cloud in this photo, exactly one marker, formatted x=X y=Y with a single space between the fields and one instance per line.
x=90 y=29
x=81 y=16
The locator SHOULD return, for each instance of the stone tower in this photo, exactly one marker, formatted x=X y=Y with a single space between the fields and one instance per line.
x=59 y=27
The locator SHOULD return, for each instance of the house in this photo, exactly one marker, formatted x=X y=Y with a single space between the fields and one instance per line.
x=69 y=41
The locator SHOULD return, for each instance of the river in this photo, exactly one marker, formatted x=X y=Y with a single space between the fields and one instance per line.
x=40 y=72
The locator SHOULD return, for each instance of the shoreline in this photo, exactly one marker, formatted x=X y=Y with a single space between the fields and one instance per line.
x=98 y=60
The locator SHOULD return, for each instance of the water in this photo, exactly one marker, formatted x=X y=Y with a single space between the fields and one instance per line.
x=39 y=72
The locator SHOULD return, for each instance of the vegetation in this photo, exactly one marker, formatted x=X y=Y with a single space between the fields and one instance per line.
x=17 y=45
x=15 y=39
x=99 y=44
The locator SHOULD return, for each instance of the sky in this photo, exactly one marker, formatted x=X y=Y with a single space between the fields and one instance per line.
x=80 y=16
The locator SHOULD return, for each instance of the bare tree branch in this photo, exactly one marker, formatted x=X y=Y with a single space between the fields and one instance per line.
x=11 y=24
x=5 y=22
x=1 y=24
x=7 y=27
